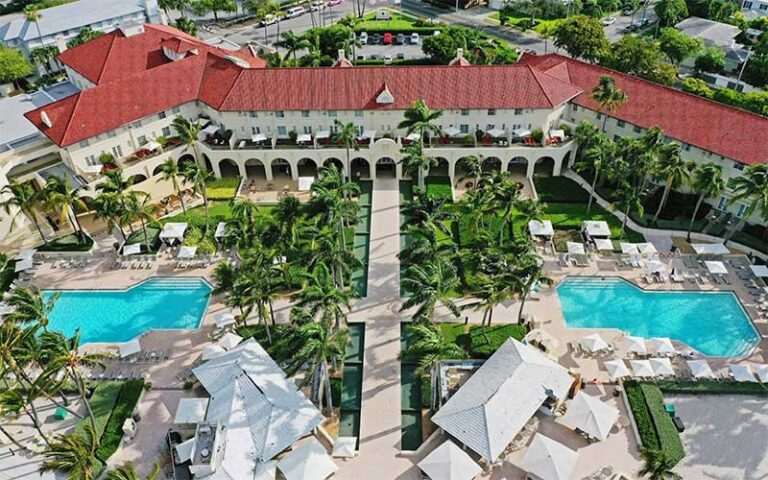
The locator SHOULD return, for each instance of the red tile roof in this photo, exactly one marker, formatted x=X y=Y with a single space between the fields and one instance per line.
x=721 y=129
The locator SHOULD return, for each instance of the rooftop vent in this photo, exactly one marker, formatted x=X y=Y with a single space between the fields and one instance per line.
x=238 y=61
x=46 y=119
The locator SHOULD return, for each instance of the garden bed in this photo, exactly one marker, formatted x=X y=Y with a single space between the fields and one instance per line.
x=67 y=243
x=124 y=406
x=472 y=338
x=654 y=425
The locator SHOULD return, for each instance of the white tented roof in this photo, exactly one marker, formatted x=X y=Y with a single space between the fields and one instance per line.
x=541 y=228
x=173 y=230
x=716 y=267
x=492 y=407
x=449 y=462
x=628 y=248
x=308 y=462
x=662 y=366
x=759 y=270
x=646 y=248
x=603 y=245
x=617 y=369
x=590 y=415
x=597 y=228
x=575 y=248
x=262 y=410
x=700 y=369
x=221 y=230
x=191 y=410
x=548 y=459
x=132 y=249
x=710 y=248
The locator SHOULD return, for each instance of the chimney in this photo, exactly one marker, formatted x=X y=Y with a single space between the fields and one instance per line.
x=341 y=54
x=61 y=44
x=46 y=119
x=459 y=53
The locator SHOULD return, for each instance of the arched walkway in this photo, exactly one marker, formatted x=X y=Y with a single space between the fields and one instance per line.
x=281 y=168
x=386 y=167
x=518 y=166
x=207 y=162
x=360 y=168
x=184 y=160
x=442 y=169
x=544 y=167
x=157 y=169
x=137 y=179
x=491 y=164
x=228 y=168
x=254 y=168
x=335 y=162
x=307 y=168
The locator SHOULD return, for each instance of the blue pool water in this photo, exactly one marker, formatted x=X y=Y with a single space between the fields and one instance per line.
x=713 y=323
x=120 y=315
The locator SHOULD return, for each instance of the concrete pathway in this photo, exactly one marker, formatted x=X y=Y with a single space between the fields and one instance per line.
x=380 y=416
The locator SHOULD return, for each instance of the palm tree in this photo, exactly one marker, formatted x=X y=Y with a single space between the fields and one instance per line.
x=473 y=168
x=292 y=43
x=658 y=465
x=196 y=174
x=314 y=55
x=628 y=199
x=61 y=196
x=415 y=162
x=530 y=269
x=585 y=134
x=419 y=118
x=320 y=344
x=188 y=132
x=31 y=306
x=109 y=208
x=32 y=14
x=138 y=207
x=321 y=295
x=674 y=169
x=493 y=290
x=597 y=156
x=127 y=472
x=346 y=133
x=608 y=97
x=504 y=194
x=332 y=253
x=74 y=455
x=170 y=173
x=752 y=186
x=428 y=285
x=287 y=214
x=427 y=212
x=25 y=198
x=530 y=209
x=708 y=182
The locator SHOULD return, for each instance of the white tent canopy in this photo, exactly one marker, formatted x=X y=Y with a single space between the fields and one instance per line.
x=700 y=369
x=323 y=134
x=759 y=270
x=23 y=265
x=451 y=131
x=655 y=266
x=258 y=137
x=635 y=344
x=92 y=169
x=230 y=341
x=576 y=248
x=173 y=231
x=304 y=138
x=557 y=134
x=191 y=410
x=308 y=462
x=617 y=369
x=710 y=248
x=603 y=245
x=132 y=249
x=761 y=371
x=716 y=267
x=662 y=345
x=642 y=368
x=541 y=228
x=186 y=252
x=662 y=366
x=129 y=348
x=224 y=319
x=368 y=134
x=521 y=133
x=548 y=459
x=590 y=415
x=596 y=228
x=212 y=351
x=628 y=248
x=449 y=462
x=345 y=447
x=742 y=373
x=646 y=248
x=594 y=342
x=152 y=146
x=221 y=231
x=496 y=132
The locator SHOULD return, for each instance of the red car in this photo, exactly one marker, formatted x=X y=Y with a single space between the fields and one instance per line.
x=387 y=38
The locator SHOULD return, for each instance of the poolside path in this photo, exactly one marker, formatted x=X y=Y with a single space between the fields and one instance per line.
x=380 y=416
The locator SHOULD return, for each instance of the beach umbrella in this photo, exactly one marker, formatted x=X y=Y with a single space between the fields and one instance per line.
x=310 y=461
x=635 y=345
x=590 y=415
x=662 y=366
x=575 y=248
x=132 y=249
x=345 y=447
x=700 y=369
x=449 y=462
x=628 y=248
x=742 y=373
x=662 y=345
x=129 y=348
x=594 y=343
x=716 y=267
x=646 y=248
x=642 y=368
x=617 y=369
x=548 y=459
x=186 y=252
x=230 y=341
x=603 y=245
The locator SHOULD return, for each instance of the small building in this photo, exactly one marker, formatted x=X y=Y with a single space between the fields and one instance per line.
x=716 y=34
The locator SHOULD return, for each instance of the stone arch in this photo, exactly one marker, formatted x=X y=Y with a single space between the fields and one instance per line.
x=335 y=162
x=544 y=167
x=306 y=167
x=137 y=179
x=184 y=160
x=518 y=165
x=386 y=167
x=281 y=168
x=207 y=163
x=254 y=168
x=491 y=164
x=441 y=169
x=228 y=168
x=360 y=168
x=566 y=160
x=157 y=170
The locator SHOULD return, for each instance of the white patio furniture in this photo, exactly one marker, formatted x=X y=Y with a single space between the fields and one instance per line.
x=186 y=251
x=628 y=248
x=497 y=132
x=603 y=245
x=173 y=232
x=716 y=268
x=541 y=228
x=132 y=347
x=759 y=270
x=452 y=131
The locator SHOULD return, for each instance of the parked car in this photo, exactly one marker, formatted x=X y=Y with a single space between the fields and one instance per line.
x=364 y=38
x=268 y=19
x=387 y=38
x=644 y=22
x=415 y=38
x=387 y=59
x=317 y=5
x=609 y=21
x=630 y=28
x=361 y=57
x=375 y=39
x=373 y=57
x=401 y=56
x=295 y=12
x=333 y=3
x=399 y=39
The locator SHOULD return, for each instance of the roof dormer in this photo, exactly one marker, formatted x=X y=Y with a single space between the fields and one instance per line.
x=385 y=97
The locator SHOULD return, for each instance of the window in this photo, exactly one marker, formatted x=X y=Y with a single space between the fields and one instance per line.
x=253 y=114
x=722 y=204
x=332 y=113
x=741 y=211
x=464 y=129
x=738 y=166
x=83 y=144
x=111 y=134
x=358 y=113
x=599 y=115
x=305 y=114
x=161 y=115
x=616 y=138
x=280 y=114
x=166 y=131
x=491 y=111
x=136 y=124
x=465 y=113
x=117 y=151
x=747 y=6
x=637 y=129
x=490 y=126
x=142 y=139
x=763 y=6
x=90 y=160
x=575 y=108
x=281 y=131
x=620 y=123
x=175 y=110
x=255 y=130
x=308 y=130
x=518 y=111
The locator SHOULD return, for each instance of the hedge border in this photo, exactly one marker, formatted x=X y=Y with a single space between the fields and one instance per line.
x=124 y=405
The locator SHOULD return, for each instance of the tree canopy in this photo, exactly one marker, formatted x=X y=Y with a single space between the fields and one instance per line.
x=13 y=65
x=670 y=12
x=582 y=37
x=678 y=46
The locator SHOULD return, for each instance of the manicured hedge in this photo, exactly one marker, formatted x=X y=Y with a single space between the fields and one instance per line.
x=654 y=425
x=113 y=433
x=643 y=419
x=560 y=190
x=711 y=387
x=102 y=402
x=336 y=385
x=67 y=243
x=479 y=347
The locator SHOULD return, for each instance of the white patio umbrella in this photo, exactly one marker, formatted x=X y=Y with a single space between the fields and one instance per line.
x=221 y=231
x=642 y=368
x=230 y=341
x=594 y=342
x=345 y=447
x=541 y=228
x=496 y=132
x=617 y=369
x=710 y=248
x=590 y=415
x=451 y=131
x=759 y=270
x=258 y=137
x=173 y=231
x=596 y=228
x=662 y=366
x=152 y=145
x=646 y=248
x=224 y=319
x=635 y=344
x=548 y=459
x=449 y=462
x=132 y=249
x=308 y=462
x=323 y=134
x=211 y=351
x=700 y=369
x=186 y=251
x=762 y=372
x=742 y=373
x=191 y=410
x=23 y=265
x=662 y=345
x=129 y=348
x=413 y=137
x=25 y=254
x=304 y=138
x=542 y=338
x=655 y=266
x=603 y=245
x=628 y=248
x=575 y=248
x=715 y=267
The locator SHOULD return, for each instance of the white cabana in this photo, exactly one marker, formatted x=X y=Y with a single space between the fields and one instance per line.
x=258 y=137
x=596 y=228
x=603 y=245
x=628 y=248
x=129 y=348
x=557 y=134
x=646 y=248
x=224 y=319
x=212 y=351
x=92 y=169
x=305 y=183
x=717 y=268
x=345 y=447
x=451 y=131
x=642 y=368
x=662 y=345
x=23 y=265
x=547 y=459
x=655 y=266
x=370 y=134
x=152 y=146
x=132 y=249
x=700 y=369
x=413 y=137
x=590 y=415
x=221 y=231
x=576 y=248
x=304 y=138
x=742 y=373
x=521 y=133
x=541 y=337
x=541 y=228
x=449 y=462
x=617 y=369
x=26 y=254
x=308 y=462
x=762 y=372
x=710 y=248
x=230 y=341
x=191 y=410
x=210 y=129
x=759 y=270
x=594 y=343
x=635 y=345
x=662 y=366
x=323 y=134
x=266 y=471
x=173 y=231
x=186 y=251
x=185 y=450
x=496 y=132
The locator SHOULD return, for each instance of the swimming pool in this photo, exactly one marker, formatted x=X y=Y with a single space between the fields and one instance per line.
x=119 y=315
x=714 y=323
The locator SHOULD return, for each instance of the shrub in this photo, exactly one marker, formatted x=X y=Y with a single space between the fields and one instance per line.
x=711 y=387
x=537 y=135
x=480 y=347
x=669 y=438
x=67 y=243
x=113 y=433
x=336 y=383
x=643 y=419
x=426 y=390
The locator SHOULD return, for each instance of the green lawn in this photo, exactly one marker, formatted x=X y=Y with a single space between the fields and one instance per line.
x=103 y=402
x=517 y=21
x=222 y=189
x=399 y=21
x=570 y=216
x=138 y=237
x=481 y=342
x=439 y=187
x=67 y=243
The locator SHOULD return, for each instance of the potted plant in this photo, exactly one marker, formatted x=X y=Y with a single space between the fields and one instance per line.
x=107 y=161
x=537 y=135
